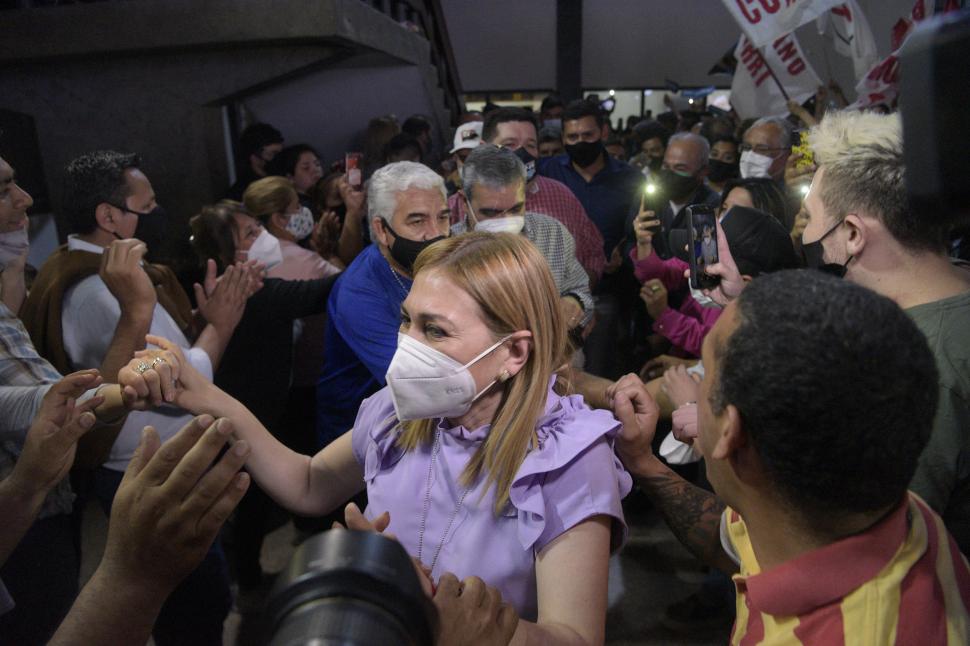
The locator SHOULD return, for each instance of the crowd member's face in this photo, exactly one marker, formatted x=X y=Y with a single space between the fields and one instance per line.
x=490 y=203
x=711 y=426
x=820 y=223
x=582 y=129
x=737 y=197
x=517 y=134
x=683 y=157
x=552 y=113
x=244 y=233
x=767 y=140
x=550 y=148
x=445 y=317
x=141 y=198
x=308 y=172
x=266 y=155
x=653 y=148
x=617 y=151
x=420 y=214
x=14 y=201
x=725 y=151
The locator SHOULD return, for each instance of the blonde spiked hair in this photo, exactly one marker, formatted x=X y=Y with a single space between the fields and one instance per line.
x=861 y=154
x=510 y=280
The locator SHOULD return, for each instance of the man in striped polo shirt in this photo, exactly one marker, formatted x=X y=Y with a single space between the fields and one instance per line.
x=818 y=398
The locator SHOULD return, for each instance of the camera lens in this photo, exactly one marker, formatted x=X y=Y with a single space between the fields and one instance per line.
x=349 y=588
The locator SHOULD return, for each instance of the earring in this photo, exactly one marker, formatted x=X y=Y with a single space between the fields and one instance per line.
x=504 y=376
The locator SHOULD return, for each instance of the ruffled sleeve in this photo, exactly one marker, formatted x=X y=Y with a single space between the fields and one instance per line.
x=375 y=431
x=572 y=475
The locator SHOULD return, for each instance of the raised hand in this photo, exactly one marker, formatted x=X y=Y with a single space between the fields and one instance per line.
x=171 y=504
x=732 y=284
x=654 y=295
x=172 y=380
x=123 y=274
x=681 y=386
x=638 y=413
x=51 y=442
x=224 y=306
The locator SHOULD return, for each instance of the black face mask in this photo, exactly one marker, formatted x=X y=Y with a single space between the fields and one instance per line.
x=654 y=163
x=585 y=153
x=151 y=229
x=722 y=171
x=405 y=251
x=528 y=160
x=814 y=252
x=677 y=187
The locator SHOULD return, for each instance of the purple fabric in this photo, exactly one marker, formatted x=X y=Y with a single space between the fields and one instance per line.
x=571 y=476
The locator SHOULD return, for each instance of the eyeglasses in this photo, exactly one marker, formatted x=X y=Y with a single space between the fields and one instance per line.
x=760 y=149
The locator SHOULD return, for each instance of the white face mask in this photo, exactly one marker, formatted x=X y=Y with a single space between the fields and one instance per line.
x=755 y=164
x=13 y=245
x=300 y=223
x=427 y=384
x=266 y=249
x=506 y=224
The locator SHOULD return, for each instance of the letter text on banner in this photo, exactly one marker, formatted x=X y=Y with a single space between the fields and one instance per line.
x=764 y=21
x=755 y=91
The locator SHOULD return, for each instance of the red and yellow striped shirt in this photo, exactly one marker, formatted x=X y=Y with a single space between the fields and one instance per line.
x=902 y=582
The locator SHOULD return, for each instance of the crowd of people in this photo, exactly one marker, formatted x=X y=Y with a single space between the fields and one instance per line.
x=486 y=349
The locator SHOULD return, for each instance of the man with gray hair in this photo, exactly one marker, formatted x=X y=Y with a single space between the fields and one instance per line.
x=407 y=207
x=493 y=185
x=765 y=149
x=681 y=183
x=862 y=227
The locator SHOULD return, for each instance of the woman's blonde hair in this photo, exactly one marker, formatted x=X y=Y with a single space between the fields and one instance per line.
x=511 y=282
x=267 y=196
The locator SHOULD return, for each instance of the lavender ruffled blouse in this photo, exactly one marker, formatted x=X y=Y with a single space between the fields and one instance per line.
x=571 y=476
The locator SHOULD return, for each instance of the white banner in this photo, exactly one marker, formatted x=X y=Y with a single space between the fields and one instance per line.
x=764 y=21
x=851 y=35
x=761 y=75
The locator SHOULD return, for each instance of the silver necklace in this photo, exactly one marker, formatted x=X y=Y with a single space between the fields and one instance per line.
x=397 y=279
x=427 y=506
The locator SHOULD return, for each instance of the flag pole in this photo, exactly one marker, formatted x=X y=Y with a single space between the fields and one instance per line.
x=775 y=78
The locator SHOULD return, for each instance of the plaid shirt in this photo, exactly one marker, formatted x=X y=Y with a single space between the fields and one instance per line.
x=549 y=197
x=554 y=242
x=25 y=377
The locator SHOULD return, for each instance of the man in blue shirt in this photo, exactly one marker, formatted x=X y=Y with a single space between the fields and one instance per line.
x=608 y=189
x=610 y=192
x=407 y=207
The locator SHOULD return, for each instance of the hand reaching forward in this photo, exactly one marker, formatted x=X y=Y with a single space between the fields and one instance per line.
x=161 y=375
x=171 y=504
x=51 y=442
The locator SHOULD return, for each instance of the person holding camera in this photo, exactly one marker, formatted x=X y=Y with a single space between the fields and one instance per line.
x=487 y=468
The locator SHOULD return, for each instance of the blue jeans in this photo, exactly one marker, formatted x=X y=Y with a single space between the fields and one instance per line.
x=195 y=611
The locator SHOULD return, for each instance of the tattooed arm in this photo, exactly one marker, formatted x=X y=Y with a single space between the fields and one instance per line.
x=693 y=514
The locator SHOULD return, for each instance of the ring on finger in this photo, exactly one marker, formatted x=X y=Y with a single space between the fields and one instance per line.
x=156 y=361
x=142 y=367
x=655 y=288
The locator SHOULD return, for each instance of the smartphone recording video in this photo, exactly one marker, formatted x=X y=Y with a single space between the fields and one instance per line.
x=702 y=242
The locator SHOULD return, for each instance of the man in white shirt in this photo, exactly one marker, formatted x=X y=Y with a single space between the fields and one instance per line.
x=103 y=320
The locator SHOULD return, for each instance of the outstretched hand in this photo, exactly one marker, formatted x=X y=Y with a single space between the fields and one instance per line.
x=162 y=375
x=51 y=442
x=171 y=503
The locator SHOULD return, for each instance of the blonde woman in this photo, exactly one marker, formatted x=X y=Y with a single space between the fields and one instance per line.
x=484 y=465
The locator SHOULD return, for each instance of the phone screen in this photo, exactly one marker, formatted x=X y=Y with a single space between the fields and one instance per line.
x=702 y=232
x=352 y=164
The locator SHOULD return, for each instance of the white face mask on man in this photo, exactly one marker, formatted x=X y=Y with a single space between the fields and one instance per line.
x=266 y=249
x=755 y=164
x=428 y=384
